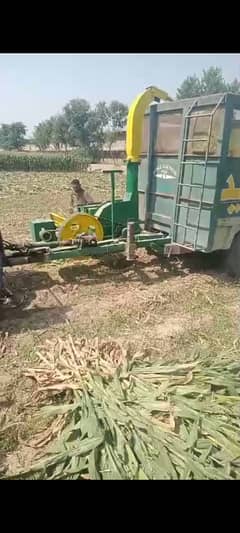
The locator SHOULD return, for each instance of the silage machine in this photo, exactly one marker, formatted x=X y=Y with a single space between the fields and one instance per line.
x=182 y=188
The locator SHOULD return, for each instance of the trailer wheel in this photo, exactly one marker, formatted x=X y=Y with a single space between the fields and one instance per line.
x=233 y=258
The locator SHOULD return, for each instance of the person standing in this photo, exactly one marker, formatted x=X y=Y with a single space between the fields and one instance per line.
x=79 y=196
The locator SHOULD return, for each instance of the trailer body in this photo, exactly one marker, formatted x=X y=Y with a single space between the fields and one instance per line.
x=189 y=176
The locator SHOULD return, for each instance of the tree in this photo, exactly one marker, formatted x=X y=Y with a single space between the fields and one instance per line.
x=60 y=131
x=76 y=113
x=102 y=112
x=94 y=134
x=42 y=134
x=117 y=115
x=117 y=118
x=86 y=125
x=234 y=86
x=12 y=136
x=211 y=82
x=82 y=126
x=190 y=87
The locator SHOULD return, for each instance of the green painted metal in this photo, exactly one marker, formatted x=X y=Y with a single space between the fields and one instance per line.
x=150 y=162
x=188 y=232
x=124 y=210
x=226 y=219
x=204 y=221
x=113 y=215
x=131 y=194
x=113 y=201
x=160 y=192
x=90 y=209
x=36 y=227
x=106 y=248
x=146 y=237
x=112 y=174
x=56 y=254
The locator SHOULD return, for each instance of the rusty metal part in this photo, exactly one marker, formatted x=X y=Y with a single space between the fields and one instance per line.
x=83 y=239
x=175 y=249
x=130 y=244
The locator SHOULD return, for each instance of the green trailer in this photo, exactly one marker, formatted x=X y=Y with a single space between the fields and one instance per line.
x=189 y=176
x=182 y=186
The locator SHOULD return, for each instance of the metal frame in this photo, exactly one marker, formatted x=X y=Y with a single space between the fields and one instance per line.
x=205 y=101
x=232 y=102
x=229 y=101
x=180 y=184
x=41 y=252
x=152 y=138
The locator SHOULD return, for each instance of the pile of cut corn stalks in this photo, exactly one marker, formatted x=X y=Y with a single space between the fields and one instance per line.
x=131 y=418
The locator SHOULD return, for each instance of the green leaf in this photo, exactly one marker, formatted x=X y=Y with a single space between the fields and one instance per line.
x=92 y=465
x=141 y=475
x=193 y=435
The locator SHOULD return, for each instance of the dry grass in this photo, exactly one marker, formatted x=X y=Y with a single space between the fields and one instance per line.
x=170 y=309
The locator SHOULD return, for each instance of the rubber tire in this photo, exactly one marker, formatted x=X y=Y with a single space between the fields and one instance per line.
x=233 y=258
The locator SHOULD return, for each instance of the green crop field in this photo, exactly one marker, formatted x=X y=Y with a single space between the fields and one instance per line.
x=41 y=162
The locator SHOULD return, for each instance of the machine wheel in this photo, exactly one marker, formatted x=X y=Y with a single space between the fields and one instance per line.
x=233 y=258
x=80 y=223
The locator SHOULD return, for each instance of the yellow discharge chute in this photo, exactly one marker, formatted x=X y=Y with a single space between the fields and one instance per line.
x=135 y=120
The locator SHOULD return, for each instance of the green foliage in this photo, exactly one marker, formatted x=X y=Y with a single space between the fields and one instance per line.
x=234 y=86
x=85 y=126
x=111 y=136
x=12 y=136
x=82 y=126
x=82 y=154
x=42 y=162
x=76 y=113
x=149 y=421
x=190 y=87
x=60 y=131
x=117 y=115
x=211 y=82
x=43 y=134
x=102 y=112
x=78 y=125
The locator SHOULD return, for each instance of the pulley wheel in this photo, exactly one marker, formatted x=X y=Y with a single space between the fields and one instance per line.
x=80 y=223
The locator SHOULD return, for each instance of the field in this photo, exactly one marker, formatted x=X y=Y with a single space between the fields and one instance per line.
x=165 y=308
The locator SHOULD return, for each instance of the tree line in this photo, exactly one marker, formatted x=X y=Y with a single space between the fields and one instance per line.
x=88 y=128
x=79 y=125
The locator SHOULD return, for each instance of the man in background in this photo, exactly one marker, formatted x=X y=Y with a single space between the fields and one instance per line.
x=79 y=196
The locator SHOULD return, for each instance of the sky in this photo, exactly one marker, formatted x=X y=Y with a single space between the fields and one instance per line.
x=34 y=87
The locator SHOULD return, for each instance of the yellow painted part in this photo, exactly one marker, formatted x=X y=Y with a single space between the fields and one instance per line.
x=233 y=208
x=135 y=120
x=232 y=192
x=57 y=219
x=79 y=223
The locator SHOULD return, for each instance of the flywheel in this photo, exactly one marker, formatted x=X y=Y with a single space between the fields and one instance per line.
x=80 y=223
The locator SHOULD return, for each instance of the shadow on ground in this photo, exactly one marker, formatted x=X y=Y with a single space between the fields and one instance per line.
x=153 y=270
x=24 y=285
x=147 y=270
